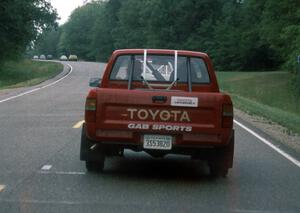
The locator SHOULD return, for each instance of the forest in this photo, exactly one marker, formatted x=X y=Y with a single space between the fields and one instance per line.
x=250 y=35
x=238 y=34
x=21 y=23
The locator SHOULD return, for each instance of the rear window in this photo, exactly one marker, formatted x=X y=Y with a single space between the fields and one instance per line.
x=120 y=70
x=160 y=68
x=199 y=72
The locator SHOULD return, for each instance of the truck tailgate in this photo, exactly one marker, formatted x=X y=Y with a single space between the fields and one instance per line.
x=155 y=111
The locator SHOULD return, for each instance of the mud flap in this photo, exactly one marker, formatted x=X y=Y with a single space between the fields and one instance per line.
x=222 y=160
x=88 y=154
x=228 y=152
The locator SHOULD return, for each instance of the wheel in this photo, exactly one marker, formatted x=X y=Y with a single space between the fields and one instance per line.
x=217 y=169
x=85 y=145
x=94 y=158
x=222 y=160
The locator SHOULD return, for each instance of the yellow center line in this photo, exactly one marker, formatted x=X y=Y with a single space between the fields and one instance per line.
x=2 y=187
x=78 y=124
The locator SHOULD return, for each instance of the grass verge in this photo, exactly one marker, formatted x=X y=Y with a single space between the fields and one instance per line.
x=27 y=73
x=272 y=95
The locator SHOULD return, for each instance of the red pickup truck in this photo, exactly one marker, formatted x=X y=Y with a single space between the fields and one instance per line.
x=161 y=102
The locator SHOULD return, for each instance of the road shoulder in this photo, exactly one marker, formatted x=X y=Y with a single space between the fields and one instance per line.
x=280 y=136
x=6 y=93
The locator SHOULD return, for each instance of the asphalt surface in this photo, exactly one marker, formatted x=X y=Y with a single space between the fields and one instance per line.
x=40 y=169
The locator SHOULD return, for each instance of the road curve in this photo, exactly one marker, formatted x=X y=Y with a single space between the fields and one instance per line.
x=40 y=169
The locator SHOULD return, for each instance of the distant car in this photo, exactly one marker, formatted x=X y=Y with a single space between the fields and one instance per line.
x=49 y=57
x=35 y=57
x=63 y=58
x=73 y=58
x=42 y=57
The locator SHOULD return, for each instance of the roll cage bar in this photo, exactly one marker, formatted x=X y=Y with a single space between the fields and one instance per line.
x=157 y=75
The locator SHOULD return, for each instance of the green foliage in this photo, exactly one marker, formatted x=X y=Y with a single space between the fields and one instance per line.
x=251 y=35
x=20 y=22
x=102 y=39
x=47 y=43
x=268 y=94
x=129 y=31
x=78 y=31
x=296 y=82
x=280 y=28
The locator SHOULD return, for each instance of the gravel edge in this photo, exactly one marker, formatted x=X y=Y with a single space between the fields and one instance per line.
x=272 y=130
x=6 y=93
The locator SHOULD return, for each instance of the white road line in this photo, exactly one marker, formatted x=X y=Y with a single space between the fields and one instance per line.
x=78 y=124
x=52 y=202
x=46 y=167
x=61 y=173
x=39 y=88
x=247 y=211
x=265 y=141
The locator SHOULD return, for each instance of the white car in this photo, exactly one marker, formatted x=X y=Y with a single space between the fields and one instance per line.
x=73 y=58
x=35 y=57
x=63 y=58
x=49 y=57
x=42 y=57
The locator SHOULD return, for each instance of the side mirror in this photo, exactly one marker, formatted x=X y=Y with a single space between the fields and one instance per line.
x=95 y=82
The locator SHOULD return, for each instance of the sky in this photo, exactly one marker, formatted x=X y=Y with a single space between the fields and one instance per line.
x=65 y=7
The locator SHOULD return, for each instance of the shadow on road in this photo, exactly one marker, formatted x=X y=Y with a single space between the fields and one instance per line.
x=143 y=167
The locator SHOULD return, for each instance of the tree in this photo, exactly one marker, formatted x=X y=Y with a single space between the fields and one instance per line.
x=20 y=23
x=237 y=34
x=103 y=42
x=129 y=31
x=280 y=28
x=47 y=42
x=77 y=33
x=165 y=23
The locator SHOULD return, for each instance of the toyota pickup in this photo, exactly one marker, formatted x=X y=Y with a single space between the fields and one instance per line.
x=160 y=102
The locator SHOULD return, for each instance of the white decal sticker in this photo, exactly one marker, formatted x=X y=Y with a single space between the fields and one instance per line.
x=159 y=127
x=184 y=101
x=138 y=126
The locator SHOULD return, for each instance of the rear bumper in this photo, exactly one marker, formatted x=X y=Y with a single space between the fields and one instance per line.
x=206 y=139
x=200 y=151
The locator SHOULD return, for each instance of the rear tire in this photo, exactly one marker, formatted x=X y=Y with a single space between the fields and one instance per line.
x=85 y=145
x=222 y=160
x=217 y=169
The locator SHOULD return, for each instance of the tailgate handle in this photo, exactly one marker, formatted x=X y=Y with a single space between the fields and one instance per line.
x=161 y=99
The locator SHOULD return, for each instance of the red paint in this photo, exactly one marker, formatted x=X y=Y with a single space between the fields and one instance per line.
x=211 y=125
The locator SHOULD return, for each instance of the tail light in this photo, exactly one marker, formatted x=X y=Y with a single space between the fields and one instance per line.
x=227 y=116
x=90 y=109
x=90 y=104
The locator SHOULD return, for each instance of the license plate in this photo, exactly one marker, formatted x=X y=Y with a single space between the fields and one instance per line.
x=161 y=142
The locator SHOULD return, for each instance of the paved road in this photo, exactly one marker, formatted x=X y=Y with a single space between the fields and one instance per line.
x=40 y=169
